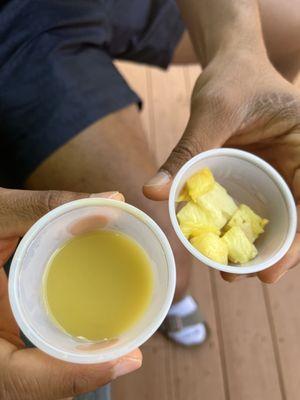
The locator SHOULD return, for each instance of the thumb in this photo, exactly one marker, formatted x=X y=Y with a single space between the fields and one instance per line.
x=47 y=378
x=19 y=209
x=202 y=133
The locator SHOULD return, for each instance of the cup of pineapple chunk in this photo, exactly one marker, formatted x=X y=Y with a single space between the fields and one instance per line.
x=232 y=211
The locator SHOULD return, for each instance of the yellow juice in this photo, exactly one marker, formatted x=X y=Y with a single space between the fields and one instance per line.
x=98 y=285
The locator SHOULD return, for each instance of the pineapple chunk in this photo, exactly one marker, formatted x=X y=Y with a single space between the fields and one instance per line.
x=184 y=195
x=215 y=214
x=191 y=229
x=217 y=201
x=211 y=246
x=200 y=183
x=251 y=223
x=191 y=218
x=191 y=212
x=240 y=249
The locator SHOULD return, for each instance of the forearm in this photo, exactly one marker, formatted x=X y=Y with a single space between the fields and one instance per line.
x=218 y=25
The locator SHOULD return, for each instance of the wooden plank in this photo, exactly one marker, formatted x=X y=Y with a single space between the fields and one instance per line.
x=192 y=73
x=197 y=372
x=170 y=108
x=284 y=299
x=250 y=362
x=153 y=380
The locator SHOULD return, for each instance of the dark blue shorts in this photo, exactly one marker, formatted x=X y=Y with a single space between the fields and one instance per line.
x=56 y=68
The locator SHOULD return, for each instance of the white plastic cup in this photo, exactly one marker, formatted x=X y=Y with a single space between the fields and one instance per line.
x=47 y=235
x=252 y=181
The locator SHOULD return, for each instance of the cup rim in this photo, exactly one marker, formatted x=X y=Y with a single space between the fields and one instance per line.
x=278 y=180
x=124 y=349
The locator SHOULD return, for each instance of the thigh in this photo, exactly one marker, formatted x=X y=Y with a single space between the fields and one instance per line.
x=56 y=78
x=110 y=154
x=184 y=52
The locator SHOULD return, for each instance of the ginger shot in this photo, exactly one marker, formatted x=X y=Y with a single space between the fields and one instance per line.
x=98 y=285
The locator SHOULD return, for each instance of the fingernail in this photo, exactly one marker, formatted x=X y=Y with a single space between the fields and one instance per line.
x=239 y=277
x=160 y=179
x=125 y=366
x=108 y=195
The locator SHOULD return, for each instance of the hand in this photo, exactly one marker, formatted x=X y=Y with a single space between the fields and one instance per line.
x=240 y=100
x=29 y=373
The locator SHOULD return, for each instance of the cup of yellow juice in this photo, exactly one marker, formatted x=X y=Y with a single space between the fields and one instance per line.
x=92 y=280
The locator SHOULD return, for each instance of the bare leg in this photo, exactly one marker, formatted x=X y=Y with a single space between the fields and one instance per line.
x=112 y=154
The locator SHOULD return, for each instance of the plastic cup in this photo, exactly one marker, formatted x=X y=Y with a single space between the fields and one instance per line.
x=48 y=234
x=251 y=181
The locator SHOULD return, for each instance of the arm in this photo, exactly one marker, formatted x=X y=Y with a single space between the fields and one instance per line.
x=222 y=25
x=239 y=100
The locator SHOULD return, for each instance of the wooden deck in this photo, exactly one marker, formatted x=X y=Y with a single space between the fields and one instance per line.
x=253 y=352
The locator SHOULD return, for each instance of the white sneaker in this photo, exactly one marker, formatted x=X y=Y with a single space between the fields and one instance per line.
x=184 y=323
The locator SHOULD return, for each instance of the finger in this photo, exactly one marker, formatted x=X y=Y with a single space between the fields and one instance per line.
x=7 y=248
x=290 y=260
x=48 y=378
x=8 y=327
x=19 y=209
x=296 y=190
x=234 y=277
x=203 y=132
